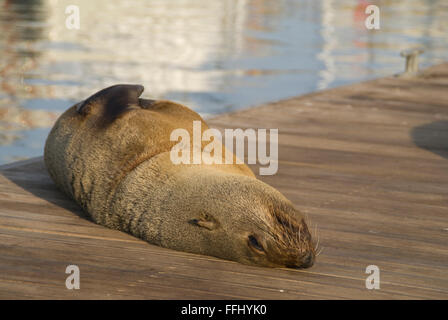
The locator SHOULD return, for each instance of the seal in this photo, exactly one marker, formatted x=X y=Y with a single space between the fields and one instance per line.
x=111 y=154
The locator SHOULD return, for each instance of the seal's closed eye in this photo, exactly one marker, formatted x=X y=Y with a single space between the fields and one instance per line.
x=112 y=100
x=253 y=242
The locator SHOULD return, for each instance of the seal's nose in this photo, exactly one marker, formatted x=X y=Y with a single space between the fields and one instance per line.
x=304 y=262
x=308 y=261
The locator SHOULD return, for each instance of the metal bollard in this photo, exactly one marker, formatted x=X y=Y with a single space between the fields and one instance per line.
x=411 y=56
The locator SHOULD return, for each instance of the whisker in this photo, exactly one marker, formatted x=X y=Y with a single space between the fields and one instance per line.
x=320 y=251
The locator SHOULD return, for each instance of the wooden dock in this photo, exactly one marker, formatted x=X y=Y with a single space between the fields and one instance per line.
x=368 y=163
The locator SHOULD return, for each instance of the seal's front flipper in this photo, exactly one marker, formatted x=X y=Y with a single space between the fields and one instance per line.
x=112 y=101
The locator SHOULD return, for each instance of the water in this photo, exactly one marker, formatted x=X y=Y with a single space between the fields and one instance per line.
x=214 y=56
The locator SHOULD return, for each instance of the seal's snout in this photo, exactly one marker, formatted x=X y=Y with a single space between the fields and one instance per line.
x=308 y=261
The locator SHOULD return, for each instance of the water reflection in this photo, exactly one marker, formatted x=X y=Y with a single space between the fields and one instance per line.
x=215 y=56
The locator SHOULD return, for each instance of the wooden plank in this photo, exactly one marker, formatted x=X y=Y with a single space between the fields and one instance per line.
x=367 y=163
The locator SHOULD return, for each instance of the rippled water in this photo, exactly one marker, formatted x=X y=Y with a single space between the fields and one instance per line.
x=215 y=56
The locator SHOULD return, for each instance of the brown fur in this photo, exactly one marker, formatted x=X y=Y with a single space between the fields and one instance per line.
x=111 y=154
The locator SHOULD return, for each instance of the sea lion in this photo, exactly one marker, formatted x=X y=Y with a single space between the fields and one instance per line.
x=111 y=154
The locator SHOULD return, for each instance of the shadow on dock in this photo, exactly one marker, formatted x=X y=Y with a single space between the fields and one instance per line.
x=433 y=137
x=34 y=178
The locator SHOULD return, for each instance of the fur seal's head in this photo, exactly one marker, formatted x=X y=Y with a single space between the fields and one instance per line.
x=246 y=220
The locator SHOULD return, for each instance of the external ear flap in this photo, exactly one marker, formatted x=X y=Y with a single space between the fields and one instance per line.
x=112 y=100
x=205 y=221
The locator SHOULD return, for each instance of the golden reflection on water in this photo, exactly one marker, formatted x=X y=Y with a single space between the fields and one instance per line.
x=214 y=56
